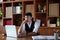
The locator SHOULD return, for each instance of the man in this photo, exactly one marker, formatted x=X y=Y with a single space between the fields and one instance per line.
x=28 y=26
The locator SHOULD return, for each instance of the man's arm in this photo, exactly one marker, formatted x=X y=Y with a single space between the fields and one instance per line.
x=22 y=28
x=32 y=34
x=37 y=24
x=19 y=30
x=36 y=27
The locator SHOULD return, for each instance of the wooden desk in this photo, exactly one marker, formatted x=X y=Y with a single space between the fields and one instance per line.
x=26 y=38
x=2 y=31
x=5 y=38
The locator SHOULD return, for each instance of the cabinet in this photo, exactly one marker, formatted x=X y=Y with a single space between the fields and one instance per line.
x=11 y=12
x=54 y=15
x=43 y=31
x=41 y=11
x=48 y=30
x=48 y=12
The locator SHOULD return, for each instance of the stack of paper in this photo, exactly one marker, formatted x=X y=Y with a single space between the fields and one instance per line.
x=43 y=37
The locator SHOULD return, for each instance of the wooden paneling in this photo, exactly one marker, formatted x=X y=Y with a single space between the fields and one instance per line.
x=48 y=30
x=43 y=31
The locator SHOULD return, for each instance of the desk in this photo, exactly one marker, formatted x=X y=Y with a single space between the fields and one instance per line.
x=7 y=38
x=2 y=30
x=26 y=38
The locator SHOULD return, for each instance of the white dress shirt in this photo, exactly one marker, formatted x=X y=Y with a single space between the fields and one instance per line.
x=36 y=26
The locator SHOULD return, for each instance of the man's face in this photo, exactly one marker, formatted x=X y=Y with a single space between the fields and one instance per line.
x=28 y=18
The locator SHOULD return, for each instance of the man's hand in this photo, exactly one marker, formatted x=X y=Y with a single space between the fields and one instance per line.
x=20 y=28
x=23 y=22
x=32 y=34
x=22 y=33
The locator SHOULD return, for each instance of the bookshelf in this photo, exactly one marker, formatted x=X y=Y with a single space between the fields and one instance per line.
x=51 y=15
x=9 y=12
x=48 y=11
x=1 y=22
x=17 y=13
x=41 y=11
x=42 y=14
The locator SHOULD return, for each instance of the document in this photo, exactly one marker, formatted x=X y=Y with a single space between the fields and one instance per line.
x=43 y=37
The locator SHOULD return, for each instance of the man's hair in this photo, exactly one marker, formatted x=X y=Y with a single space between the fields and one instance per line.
x=28 y=14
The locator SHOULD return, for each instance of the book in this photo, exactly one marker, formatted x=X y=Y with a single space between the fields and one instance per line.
x=58 y=22
x=8 y=22
x=52 y=25
x=18 y=9
x=8 y=12
x=54 y=9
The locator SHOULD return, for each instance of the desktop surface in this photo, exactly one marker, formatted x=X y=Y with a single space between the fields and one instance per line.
x=25 y=38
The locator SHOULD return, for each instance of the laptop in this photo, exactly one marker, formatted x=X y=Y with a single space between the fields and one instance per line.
x=11 y=31
x=11 y=38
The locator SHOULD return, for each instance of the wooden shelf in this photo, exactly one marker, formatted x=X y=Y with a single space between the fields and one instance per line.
x=53 y=17
x=16 y=14
x=8 y=2
x=17 y=1
x=27 y=0
x=41 y=12
x=7 y=18
x=49 y=27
